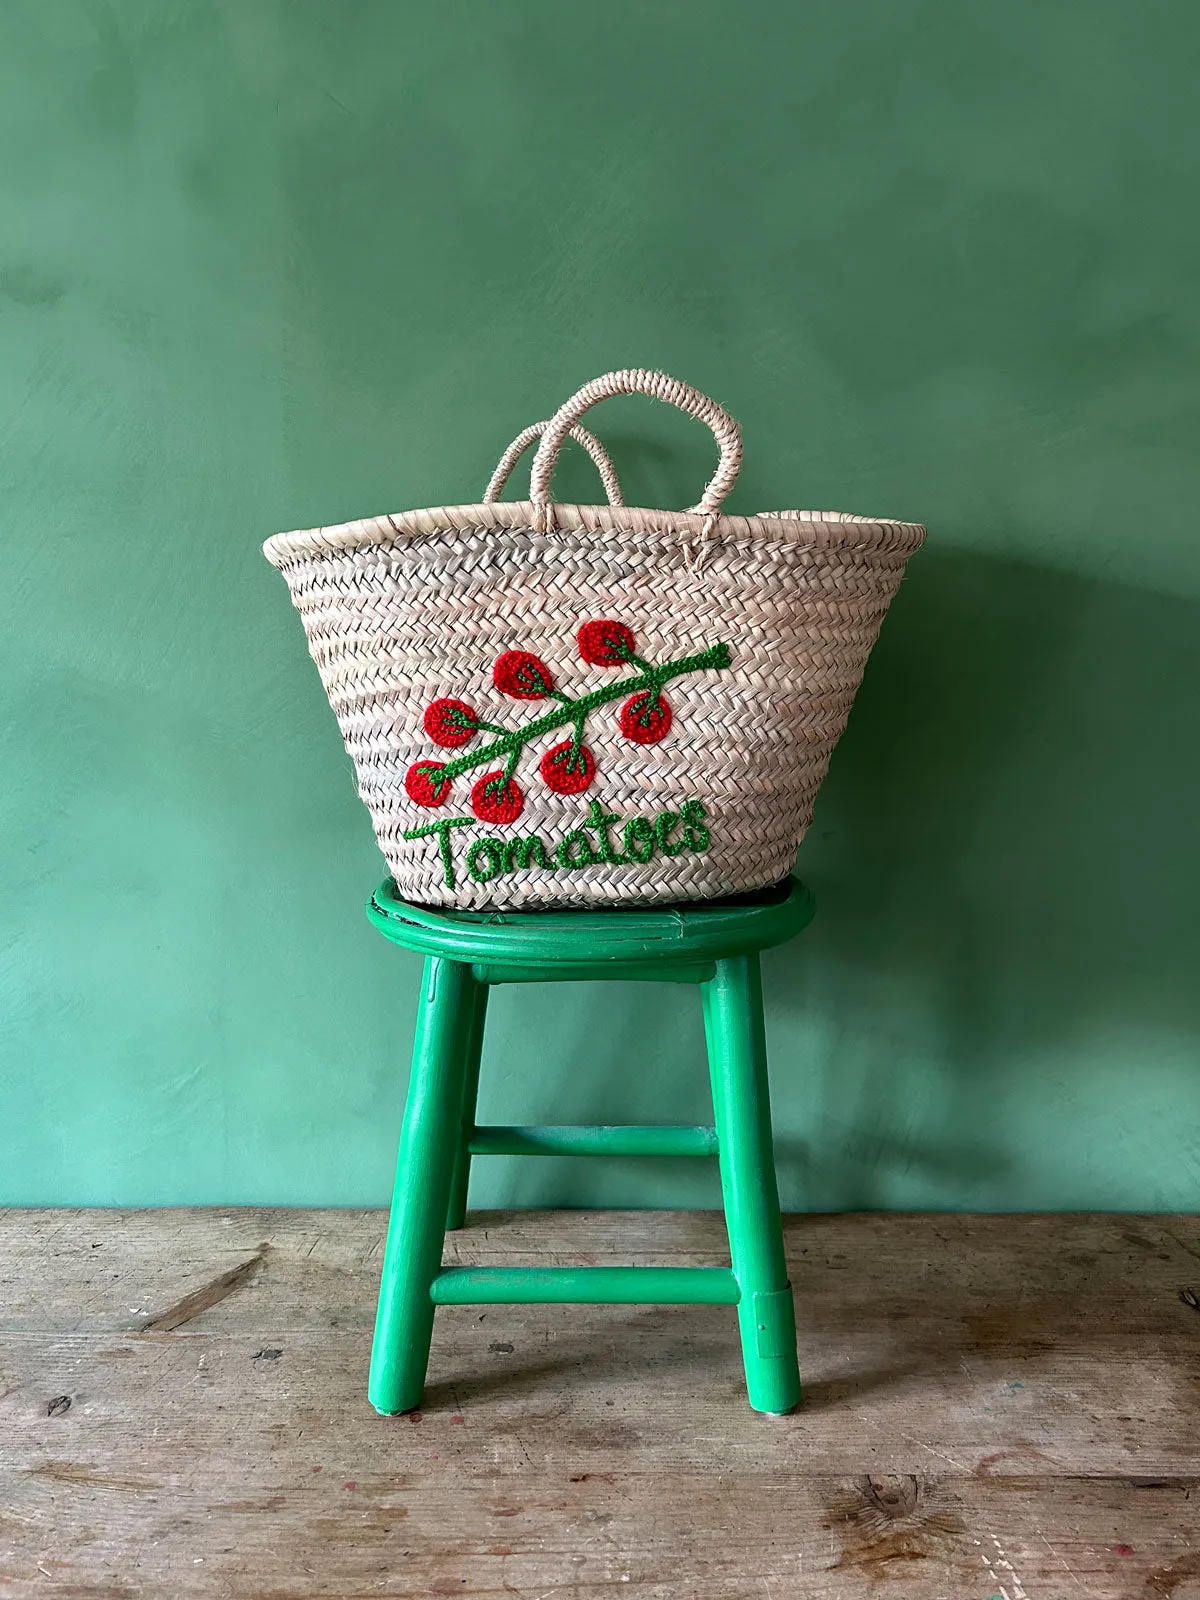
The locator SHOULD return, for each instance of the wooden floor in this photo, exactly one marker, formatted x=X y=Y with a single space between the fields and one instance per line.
x=995 y=1406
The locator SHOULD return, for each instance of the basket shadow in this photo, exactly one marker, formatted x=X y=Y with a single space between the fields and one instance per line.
x=998 y=858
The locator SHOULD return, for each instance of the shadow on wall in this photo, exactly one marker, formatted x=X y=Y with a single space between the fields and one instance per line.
x=997 y=1004
x=1001 y=981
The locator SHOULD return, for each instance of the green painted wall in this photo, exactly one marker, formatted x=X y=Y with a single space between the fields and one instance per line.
x=267 y=263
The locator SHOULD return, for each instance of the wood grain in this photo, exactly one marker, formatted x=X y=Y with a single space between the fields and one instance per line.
x=994 y=1406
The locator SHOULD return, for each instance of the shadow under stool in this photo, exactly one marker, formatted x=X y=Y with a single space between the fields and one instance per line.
x=714 y=944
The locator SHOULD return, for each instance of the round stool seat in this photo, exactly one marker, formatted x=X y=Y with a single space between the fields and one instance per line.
x=689 y=934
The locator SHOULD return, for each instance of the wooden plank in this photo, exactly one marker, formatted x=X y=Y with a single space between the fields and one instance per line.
x=683 y=1536
x=1054 y=1345
x=994 y=1406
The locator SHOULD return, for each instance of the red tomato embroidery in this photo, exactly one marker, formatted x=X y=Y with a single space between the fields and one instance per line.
x=450 y=723
x=568 y=768
x=645 y=721
x=424 y=785
x=606 y=644
x=523 y=675
x=495 y=800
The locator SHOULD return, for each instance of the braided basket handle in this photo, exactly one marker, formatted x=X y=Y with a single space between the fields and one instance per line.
x=634 y=380
x=589 y=441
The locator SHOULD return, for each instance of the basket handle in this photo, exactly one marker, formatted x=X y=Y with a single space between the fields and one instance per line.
x=634 y=380
x=589 y=441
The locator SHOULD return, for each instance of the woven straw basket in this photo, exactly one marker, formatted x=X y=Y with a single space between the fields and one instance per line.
x=563 y=705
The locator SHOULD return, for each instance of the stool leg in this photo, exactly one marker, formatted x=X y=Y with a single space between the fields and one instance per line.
x=429 y=1142
x=733 y=1024
x=457 y=1213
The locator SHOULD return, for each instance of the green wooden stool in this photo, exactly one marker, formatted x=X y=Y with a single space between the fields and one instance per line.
x=713 y=944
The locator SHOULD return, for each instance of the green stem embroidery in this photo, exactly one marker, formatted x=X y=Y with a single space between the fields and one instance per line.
x=512 y=743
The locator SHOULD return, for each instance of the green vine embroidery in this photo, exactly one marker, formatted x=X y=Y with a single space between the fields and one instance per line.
x=568 y=767
x=670 y=832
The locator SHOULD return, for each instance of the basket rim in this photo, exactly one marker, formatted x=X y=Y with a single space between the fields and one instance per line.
x=817 y=529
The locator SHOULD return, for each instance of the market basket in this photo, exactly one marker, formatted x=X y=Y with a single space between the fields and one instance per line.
x=554 y=704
